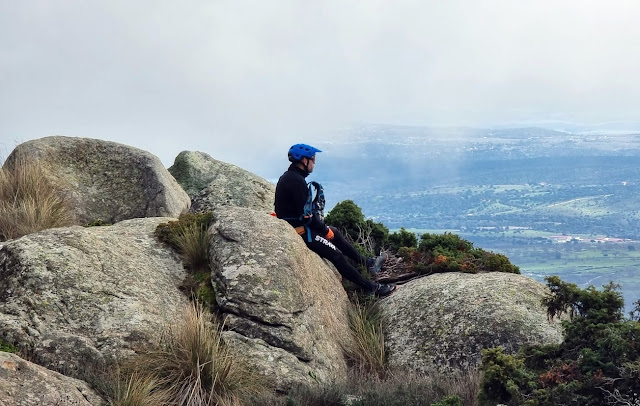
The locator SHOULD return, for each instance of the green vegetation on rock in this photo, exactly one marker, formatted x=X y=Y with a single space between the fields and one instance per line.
x=189 y=237
x=598 y=363
x=7 y=347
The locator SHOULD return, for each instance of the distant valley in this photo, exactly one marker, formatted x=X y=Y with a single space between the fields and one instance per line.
x=554 y=202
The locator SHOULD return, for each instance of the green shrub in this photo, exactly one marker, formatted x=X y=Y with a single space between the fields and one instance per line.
x=502 y=378
x=368 y=236
x=449 y=253
x=98 y=223
x=451 y=400
x=402 y=238
x=346 y=216
x=7 y=347
x=598 y=362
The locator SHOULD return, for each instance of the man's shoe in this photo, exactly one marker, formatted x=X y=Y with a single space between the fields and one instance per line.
x=374 y=265
x=384 y=290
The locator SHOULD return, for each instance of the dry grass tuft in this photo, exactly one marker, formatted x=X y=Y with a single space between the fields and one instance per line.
x=29 y=202
x=193 y=364
x=140 y=390
x=193 y=242
x=367 y=352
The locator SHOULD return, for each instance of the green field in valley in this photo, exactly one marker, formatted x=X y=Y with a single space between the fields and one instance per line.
x=581 y=262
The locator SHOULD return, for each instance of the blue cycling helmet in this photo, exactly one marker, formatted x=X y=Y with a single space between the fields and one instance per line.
x=299 y=151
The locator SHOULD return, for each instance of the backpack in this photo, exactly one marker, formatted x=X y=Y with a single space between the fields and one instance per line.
x=314 y=205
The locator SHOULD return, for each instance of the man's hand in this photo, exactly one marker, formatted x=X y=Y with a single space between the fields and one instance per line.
x=329 y=235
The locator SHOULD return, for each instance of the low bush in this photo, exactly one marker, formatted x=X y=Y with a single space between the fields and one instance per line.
x=598 y=363
x=402 y=239
x=448 y=252
x=7 y=347
x=368 y=236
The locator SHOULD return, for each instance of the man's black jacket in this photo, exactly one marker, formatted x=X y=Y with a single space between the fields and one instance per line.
x=291 y=195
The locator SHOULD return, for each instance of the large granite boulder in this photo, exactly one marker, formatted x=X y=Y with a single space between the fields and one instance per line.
x=105 y=180
x=80 y=297
x=443 y=321
x=211 y=183
x=23 y=383
x=285 y=307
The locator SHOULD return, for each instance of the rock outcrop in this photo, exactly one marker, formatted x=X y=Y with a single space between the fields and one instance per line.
x=23 y=383
x=211 y=183
x=285 y=306
x=443 y=321
x=76 y=297
x=105 y=180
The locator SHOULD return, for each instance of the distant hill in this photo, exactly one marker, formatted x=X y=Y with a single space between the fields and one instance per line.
x=491 y=184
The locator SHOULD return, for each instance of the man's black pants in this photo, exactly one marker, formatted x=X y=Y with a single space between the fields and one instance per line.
x=336 y=251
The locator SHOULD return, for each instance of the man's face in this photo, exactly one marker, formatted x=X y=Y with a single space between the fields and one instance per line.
x=311 y=163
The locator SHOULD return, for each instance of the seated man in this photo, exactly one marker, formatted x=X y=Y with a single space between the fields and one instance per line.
x=291 y=197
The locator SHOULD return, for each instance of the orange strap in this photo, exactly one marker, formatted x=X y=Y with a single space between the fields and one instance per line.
x=329 y=235
x=300 y=230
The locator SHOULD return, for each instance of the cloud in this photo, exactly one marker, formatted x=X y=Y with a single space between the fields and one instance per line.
x=243 y=80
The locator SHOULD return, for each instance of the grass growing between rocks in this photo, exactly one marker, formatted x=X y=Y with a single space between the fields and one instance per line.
x=7 y=347
x=191 y=366
x=29 y=202
x=371 y=382
x=190 y=238
x=393 y=390
x=367 y=353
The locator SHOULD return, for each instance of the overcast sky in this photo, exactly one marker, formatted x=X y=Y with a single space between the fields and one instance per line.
x=243 y=80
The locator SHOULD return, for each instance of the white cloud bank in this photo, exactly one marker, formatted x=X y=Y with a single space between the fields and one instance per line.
x=243 y=80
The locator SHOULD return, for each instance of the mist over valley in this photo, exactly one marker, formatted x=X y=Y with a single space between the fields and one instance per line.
x=555 y=202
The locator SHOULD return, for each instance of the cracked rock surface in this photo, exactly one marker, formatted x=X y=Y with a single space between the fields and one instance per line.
x=285 y=307
x=105 y=180
x=442 y=322
x=75 y=297
x=43 y=387
x=211 y=183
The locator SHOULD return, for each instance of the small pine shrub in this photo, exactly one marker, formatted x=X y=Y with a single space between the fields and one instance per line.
x=598 y=363
x=402 y=239
x=451 y=400
x=449 y=253
x=368 y=236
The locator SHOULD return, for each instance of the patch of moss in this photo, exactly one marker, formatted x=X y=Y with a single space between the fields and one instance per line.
x=98 y=223
x=7 y=347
